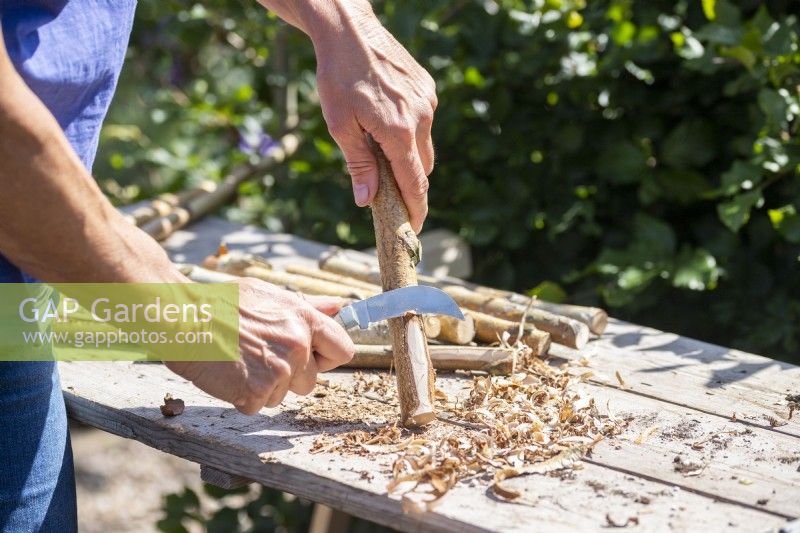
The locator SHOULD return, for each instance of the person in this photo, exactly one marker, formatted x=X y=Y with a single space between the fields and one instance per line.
x=59 y=64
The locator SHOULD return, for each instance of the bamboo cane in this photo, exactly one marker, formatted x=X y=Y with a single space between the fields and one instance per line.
x=493 y=360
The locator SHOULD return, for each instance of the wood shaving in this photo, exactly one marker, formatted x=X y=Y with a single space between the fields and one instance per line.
x=643 y=436
x=794 y=403
x=775 y=422
x=615 y=522
x=531 y=422
x=370 y=400
x=686 y=467
x=700 y=444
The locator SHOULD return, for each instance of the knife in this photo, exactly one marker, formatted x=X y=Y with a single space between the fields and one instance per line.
x=417 y=299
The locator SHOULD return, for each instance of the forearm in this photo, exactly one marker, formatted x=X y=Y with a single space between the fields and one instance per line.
x=55 y=223
x=319 y=19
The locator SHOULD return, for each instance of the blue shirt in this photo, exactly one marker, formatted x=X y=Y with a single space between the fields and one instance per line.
x=70 y=54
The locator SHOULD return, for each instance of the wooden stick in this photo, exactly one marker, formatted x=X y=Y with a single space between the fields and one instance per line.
x=398 y=255
x=489 y=329
x=595 y=318
x=164 y=203
x=378 y=333
x=563 y=330
x=433 y=325
x=456 y=331
x=494 y=360
x=332 y=277
x=204 y=275
x=162 y=227
x=240 y=266
x=337 y=263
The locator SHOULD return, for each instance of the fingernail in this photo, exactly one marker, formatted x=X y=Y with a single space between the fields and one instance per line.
x=361 y=193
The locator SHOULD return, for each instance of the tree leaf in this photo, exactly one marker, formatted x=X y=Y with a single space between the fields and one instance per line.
x=695 y=270
x=742 y=175
x=736 y=213
x=690 y=144
x=549 y=291
x=786 y=221
x=623 y=162
x=709 y=9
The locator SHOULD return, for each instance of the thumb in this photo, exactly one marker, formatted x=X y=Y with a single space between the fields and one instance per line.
x=363 y=169
x=329 y=305
x=331 y=344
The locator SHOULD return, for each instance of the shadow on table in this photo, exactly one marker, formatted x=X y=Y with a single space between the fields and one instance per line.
x=694 y=350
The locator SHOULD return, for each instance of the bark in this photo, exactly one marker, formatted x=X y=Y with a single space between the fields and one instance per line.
x=493 y=360
x=490 y=329
x=398 y=255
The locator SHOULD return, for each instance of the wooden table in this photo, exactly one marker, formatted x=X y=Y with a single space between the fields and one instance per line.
x=725 y=402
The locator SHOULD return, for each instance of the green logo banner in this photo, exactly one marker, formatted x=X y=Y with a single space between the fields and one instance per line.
x=119 y=321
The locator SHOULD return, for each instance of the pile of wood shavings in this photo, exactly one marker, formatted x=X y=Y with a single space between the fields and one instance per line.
x=531 y=422
x=370 y=400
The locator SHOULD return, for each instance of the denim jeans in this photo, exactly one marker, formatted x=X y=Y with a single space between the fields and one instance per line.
x=37 y=479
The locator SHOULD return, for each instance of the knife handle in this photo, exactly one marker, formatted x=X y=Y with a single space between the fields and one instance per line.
x=346 y=317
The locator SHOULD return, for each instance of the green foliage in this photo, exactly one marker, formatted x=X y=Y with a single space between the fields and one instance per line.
x=638 y=154
x=255 y=509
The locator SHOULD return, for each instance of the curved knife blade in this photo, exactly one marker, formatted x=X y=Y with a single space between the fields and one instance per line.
x=417 y=299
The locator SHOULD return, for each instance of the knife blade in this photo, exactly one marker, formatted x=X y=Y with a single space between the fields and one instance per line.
x=417 y=299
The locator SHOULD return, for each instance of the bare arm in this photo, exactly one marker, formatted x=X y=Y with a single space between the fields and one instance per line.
x=369 y=83
x=56 y=225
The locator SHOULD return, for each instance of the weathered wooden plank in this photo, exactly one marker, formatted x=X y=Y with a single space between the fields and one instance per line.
x=223 y=480
x=694 y=374
x=272 y=448
x=662 y=365
x=747 y=465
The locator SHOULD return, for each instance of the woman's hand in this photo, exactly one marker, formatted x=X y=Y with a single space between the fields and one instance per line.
x=284 y=340
x=369 y=83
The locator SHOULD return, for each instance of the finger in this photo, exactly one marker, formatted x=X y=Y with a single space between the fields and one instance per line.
x=411 y=180
x=361 y=164
x=304 y=378
x=329 y=305
x=282 y=374
x=331 y=344
x=425 y=145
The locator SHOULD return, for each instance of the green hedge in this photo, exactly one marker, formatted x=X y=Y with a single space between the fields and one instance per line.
x=640 y=154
